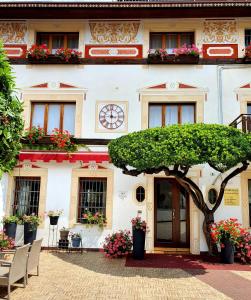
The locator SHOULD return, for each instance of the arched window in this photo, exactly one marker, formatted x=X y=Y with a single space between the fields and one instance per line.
x=212 y=195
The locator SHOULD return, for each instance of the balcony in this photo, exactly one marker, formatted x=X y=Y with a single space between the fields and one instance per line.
x=242 y=122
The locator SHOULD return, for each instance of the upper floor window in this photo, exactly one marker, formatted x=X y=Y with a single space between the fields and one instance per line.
x=247 y=37
x=164 y=114
x=170 y=40
x=26 y=196
x=249 y=108
x=53 y=115
x=56 y=40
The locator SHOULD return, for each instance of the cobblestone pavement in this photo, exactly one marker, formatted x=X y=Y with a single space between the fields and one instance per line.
x=90 y=276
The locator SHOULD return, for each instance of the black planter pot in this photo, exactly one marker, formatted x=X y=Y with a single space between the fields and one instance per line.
x=139 y=237
x=54 y=220
x=227 y=253
x=63 y=244
x=10 y=229
x=30 y=233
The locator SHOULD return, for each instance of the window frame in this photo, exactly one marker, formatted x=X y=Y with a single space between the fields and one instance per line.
x=247 y=36
x=165 y=34
x=79 y=208
x=47 y=103
x=163 y=110
x=50 y=38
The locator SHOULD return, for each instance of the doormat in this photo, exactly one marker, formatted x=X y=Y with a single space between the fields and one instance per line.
x=174 y=261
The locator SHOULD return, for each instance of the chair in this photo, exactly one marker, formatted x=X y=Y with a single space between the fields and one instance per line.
x=16 y=269
x=33 y=257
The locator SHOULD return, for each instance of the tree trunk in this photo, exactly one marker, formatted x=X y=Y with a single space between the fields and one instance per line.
x=208 y=221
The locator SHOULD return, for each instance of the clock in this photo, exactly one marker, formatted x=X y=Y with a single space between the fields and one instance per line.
x=111 y=116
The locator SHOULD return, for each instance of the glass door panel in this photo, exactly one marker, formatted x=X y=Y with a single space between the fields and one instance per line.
x=183 y=216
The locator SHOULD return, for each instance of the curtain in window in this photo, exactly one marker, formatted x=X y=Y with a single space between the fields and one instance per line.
x=171 y=115
x=69 y=118
x=57 y=42
x=155 y=116
x=171 y=42
x=187 y=114
x=53 y=117
x=156 y=41
x=38 y=115
x=72 y=42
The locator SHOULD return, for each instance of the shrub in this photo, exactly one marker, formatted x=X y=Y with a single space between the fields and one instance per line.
x=11 y=219
x=118 y=244
x=243 y=247
x=38 y=51
x=6 y=242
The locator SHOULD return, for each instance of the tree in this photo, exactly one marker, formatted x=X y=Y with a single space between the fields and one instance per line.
x=11 y=123
x=177 y=148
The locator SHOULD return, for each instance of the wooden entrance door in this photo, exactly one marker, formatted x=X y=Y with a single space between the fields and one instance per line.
x=171 y=211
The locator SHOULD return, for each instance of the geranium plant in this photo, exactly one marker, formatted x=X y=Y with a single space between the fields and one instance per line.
x=38 y=52
x=224 y=230
x=248 y=51
x=94 y=218
x=118 y=244
x=66 y=54
x=243 y=247
x=138 y=224
x=6 y=242
x=34 y=134
x=158 y=53
x=62 y=140
x=187 y=50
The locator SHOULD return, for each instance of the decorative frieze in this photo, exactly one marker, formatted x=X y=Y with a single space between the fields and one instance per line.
x=114 y=32
x=13 y=32
x=220 y=32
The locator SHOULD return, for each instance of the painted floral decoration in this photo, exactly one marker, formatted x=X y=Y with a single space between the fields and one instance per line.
x=66 y=54
x=138 y=224
x=6 y=242
x=96 y=218
x=38 y=52
x=118 y=244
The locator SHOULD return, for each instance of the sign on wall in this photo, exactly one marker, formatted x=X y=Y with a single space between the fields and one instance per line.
x=232 y=197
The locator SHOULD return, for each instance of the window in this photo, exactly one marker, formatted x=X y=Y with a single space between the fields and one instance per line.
x=247 y=37
x=92 y=196
x=140 y=194
x=53 y=115
x=212 y=196
x=249 y=201
x=27 y=193
x=249 y=108
x=169 y=114
x=170 y=40
x=56 y=40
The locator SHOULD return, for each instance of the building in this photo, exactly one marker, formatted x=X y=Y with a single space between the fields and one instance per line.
x=115 y=78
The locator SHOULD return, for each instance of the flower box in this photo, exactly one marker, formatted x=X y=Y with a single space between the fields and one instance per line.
x=53 y=59
x=173 y=59
x=247 y=59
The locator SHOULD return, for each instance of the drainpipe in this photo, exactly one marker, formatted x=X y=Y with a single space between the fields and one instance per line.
x=220 y=69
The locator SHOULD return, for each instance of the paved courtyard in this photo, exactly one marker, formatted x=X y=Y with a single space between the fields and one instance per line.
x=90 y=276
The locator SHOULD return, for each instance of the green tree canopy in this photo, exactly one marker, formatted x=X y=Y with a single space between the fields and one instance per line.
x=11 y=123
x=223 y=147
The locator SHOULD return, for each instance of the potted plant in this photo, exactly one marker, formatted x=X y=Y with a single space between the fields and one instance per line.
x=225 y=234
x=68 y=55
x=157 y=55
x=139 y=236
x=96 y=218
x=187 y=54
x=243 y=247
x=247 y=57
x=118 y=244
x=38 y=52
x=64 y=232
x=75 y=239
x=10 y=225
x=54 y=216
x=33 y=135
x=62 y=140
x=6 y=242
x=31 y=223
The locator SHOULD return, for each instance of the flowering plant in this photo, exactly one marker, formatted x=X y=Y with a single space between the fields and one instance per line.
x=137 y=223
x=187 y=50
x=6 y=242
x=11 y=219
x=34 y=134
x=97 y=218
x=54 y=213
x=75 y=235
x=38 y=51
x=248 y=51
x=66 y=54
x=118 y=244
x=32 y=219
x=62 y=140
x=224 y=230
x=243 y=247
x=158 y=53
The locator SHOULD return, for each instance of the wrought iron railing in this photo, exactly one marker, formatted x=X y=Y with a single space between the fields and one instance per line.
x=242 y=122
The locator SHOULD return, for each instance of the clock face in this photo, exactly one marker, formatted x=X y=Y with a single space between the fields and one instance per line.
x=111 y=116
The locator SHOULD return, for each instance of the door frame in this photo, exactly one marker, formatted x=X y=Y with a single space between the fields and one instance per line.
x=176 y=219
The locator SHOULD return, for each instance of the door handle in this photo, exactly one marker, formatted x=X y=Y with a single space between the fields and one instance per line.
x=173 y=214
